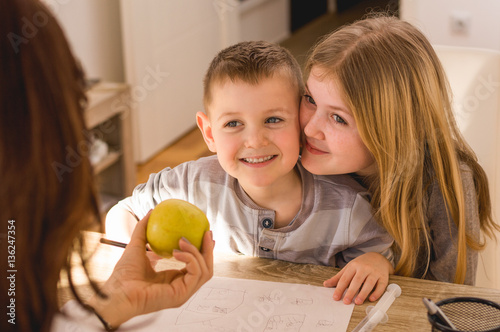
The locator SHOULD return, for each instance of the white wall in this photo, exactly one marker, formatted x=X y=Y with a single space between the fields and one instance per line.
x=435 y=18
x=474 y=76
x=253 y=20
x=267 y=20
x=94 y=30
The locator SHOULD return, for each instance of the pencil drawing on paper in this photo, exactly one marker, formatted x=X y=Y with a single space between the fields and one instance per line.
x=210 y=303
x=289 y=323
x=238 y=305
x=300 y=302
x=274 y=297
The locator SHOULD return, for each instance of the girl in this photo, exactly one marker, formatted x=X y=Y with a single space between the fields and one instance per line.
x=377 y=105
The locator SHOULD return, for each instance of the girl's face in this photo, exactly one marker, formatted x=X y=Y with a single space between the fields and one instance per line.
x=331 y=141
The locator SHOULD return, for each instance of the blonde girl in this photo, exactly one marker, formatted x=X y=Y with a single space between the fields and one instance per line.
x=378 y=106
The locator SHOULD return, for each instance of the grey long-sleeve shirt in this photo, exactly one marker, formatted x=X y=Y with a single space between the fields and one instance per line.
x=443 y=260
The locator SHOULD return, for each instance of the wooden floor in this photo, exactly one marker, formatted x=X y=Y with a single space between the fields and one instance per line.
x=192 y=146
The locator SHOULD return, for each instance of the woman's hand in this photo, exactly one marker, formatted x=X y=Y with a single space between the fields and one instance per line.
x=135 y=288
x=368 y=273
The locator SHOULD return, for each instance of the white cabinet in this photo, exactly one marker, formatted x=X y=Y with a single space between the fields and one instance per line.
x=108 y=118
x=168 y=46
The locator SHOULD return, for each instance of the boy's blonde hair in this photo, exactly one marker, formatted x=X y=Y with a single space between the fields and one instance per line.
x=394 y=83
x=250 y=62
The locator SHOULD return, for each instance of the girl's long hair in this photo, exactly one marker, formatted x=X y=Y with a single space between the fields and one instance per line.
x=47 y=190
x=394 y=83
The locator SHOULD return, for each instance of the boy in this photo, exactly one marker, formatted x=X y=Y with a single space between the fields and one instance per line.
x=259 y=199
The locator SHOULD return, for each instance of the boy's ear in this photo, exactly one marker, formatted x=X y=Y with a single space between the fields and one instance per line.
x=206 y=129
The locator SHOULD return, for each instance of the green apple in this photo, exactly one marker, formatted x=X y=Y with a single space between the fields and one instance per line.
x=171 y=220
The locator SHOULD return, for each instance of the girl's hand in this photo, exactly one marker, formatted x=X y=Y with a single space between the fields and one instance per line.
x=135 y=288
x=368 y=273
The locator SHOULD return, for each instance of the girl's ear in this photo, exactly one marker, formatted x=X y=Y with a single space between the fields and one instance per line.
x=206 y=129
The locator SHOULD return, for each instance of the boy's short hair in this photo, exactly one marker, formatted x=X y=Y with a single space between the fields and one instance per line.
x=251 y=61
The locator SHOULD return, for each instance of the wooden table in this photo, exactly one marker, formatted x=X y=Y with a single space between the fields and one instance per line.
x=406 y=314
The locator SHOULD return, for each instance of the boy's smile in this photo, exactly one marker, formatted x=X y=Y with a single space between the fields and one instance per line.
x=254 y=129
x=258 y=161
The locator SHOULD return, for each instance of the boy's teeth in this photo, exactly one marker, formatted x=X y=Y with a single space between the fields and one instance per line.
x=257 y=160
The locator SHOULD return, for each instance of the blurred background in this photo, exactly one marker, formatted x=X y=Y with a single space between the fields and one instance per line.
x=155 y=54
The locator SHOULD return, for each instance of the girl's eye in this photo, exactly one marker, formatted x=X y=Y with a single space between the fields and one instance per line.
x=273 y=120
x=232 y=124
x=339 y=120
x=309 y=99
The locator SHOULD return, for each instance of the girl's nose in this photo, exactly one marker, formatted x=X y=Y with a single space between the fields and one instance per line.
x=314 y=127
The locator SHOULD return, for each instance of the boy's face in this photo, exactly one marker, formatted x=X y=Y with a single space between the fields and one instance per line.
x=254 y=129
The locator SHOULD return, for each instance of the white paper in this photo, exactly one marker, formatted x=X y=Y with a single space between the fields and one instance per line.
x=240 y=305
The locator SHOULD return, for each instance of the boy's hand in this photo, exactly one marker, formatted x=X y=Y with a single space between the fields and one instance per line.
x=366 y=273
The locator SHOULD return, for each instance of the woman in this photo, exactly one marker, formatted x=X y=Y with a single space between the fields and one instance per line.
x=378 y=106
x=41 y=117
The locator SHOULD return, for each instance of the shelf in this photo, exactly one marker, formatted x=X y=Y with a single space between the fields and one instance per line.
x=107 y=117
x=106 y=100
x=111 y=158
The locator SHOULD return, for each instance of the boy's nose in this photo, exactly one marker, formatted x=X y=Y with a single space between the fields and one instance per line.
x=256 y=138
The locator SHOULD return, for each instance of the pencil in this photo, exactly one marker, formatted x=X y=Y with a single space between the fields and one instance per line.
x=434 y=310
x=116 y=243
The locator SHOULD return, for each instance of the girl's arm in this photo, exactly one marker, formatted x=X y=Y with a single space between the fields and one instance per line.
x=368 y=259
x=368 y=274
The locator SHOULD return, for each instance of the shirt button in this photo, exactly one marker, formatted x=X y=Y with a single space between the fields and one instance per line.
x=267 y=223
x=265 y=249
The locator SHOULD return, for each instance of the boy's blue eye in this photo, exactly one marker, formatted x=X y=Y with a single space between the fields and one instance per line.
x=273 y=120
x=309 y=99
x=232 y=124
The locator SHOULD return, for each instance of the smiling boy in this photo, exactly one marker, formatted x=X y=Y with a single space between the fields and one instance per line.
x=254 y=129
x=259 y=199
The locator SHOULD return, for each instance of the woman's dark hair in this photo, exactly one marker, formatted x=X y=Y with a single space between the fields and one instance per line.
x=47 y=194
